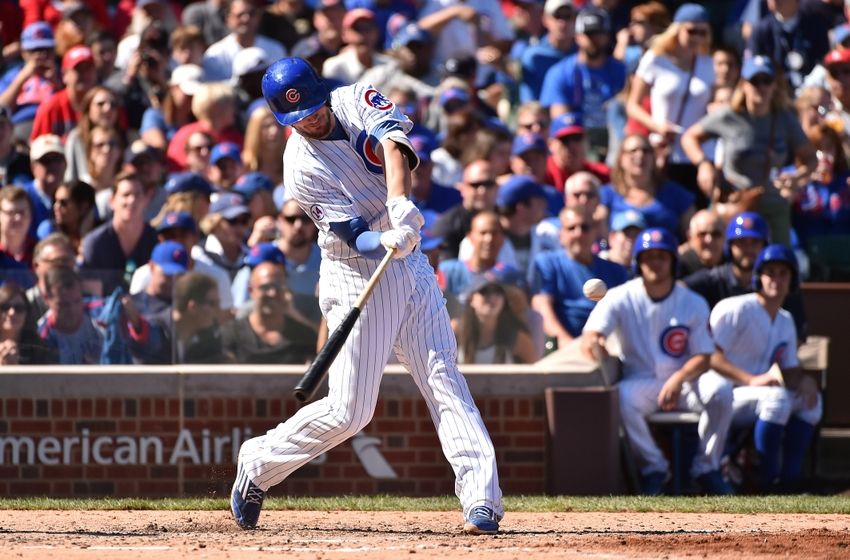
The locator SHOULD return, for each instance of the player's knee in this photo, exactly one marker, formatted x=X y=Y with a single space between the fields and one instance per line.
x=720 y=398
x=775 y=406
x=348 y=422
x=811 y=415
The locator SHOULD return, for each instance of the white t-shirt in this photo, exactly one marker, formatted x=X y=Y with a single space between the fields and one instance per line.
x=218 y=58
x=667 y=92
x=347 y=68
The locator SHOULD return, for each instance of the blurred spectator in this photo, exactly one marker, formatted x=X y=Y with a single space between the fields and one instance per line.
x=812 y=105
x=526 y=19
x=59 y=114
x=226 y=228
x=146 y=13
x=327 y=40
x=54 y=251
x=360 y=53
x=269 y=334
x=793 y=38
x=249 y=66
x=214 y=105
x=208 y=16
x=492 y=328
x=104 y=159
x=478 y=190
x=19 y=341
x=646 y=21
x=486 y=238
x=298 y=242
x=460 y=133
x=560 y=275
x=256 y=192
x=242 y=18
x=14 y=162
x=15 y=243
x=532 y=117
x=493 y=144
x=837 y=65
x=625 y=227
x=67 y=329
x=822 y=207
x=144 y=81
x=44 y=10
x=409 y=64
x=567 y=152
x=47 y=160
x=104 y=49
x=188 y=192
x=74 y=213
x=178 y=226
x=100 y=108
x=580 y=190
x=424 y=191
x=148 y=164
x=636 y=185
x=113 y=251
x=160 y=123
x=187 y=47
x=76 y=27
x=704 y=248
x=584 y=82
x=677 y=75
x=24 y=88
x=199 y=146
x=528 y=156
x=558 y=42
x=169 y=259
x=265 y=141
x=226 y=165
x=287 y=21
x=727 y=67
x=759 y=133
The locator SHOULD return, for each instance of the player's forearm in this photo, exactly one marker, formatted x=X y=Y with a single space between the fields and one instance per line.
x=693 y=368
x=724 y=367
x=396 y=169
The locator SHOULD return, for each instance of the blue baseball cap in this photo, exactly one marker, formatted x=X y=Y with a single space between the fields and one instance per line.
x=37 y=35
x=528 y=141
x=519 y=188
x=264 y=252
x=454 y=94
x=225 y=150
x=229 y=205
x=171 y=257
x=566 y=124
x=622 y=221
x=251 y=183
x=691 y=13
x=188 y=181
x=430 y=241
x=410 y=33
x=423 y=145
x=756 y=65
x=177 y=220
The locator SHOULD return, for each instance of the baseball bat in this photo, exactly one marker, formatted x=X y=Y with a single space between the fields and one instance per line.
x=316 y=372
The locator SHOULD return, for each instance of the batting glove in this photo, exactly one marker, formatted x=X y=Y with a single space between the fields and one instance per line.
x=403 y=213
x=402 y=239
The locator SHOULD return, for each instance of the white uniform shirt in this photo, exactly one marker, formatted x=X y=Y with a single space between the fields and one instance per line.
x=458 y=38
x=656 y=337
x=218 y=58
x=749 y=338
x=339 y=180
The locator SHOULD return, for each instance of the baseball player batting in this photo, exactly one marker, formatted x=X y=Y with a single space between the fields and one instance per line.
x=348 y=165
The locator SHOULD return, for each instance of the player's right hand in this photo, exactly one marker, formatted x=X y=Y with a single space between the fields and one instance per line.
x=403 y=213
x=402 y=239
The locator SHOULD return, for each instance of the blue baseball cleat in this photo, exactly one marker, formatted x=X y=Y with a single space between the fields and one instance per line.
x=481 y=520
x=246 y=501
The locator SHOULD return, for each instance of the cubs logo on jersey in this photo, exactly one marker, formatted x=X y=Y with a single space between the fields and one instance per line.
x=363 y=147
x=674 y=340
x=376 y=99
x=778 y=353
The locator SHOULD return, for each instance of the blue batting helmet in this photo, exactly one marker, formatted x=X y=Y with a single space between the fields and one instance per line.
x=746 y=224
x=293 y=90
x=654 y=238
x=776 y=253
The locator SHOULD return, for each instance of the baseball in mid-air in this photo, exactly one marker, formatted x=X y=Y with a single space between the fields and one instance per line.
x=594 y=289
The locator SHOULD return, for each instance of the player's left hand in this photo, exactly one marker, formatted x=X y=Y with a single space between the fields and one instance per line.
x=403 y=213
x=668 y=397
x=808 y=389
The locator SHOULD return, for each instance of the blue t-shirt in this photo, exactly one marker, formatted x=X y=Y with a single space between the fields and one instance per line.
x=562 y=278
x=154 y=118
x=584 y=89
x=671 y=201
x=536 y=60
x=441 y=199
x=456 y=278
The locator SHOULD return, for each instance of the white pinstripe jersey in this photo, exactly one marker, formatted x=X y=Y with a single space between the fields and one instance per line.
x=656 y=337
x=742 y=328
x=338 y=180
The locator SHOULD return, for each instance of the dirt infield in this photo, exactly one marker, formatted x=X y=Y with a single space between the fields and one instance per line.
x=102 y=535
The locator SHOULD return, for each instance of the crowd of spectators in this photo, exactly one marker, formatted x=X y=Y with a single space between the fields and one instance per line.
x=142 y=212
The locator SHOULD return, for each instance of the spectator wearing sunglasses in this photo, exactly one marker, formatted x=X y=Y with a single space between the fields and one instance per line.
x=19 y=341
x=559 y=276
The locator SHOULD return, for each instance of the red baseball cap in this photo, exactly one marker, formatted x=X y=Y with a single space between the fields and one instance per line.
x=75 y=56
x=837 y=56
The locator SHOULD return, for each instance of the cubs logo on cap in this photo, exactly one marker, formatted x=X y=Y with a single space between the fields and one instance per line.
x=674 y=340
x=376 y=99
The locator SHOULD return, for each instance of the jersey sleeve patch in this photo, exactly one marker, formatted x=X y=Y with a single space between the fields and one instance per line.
x=375 y=99
x=317 y=212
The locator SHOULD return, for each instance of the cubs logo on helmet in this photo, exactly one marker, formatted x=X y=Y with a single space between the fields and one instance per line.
x=375 y=98
x=367 y=153
x=674 y=340
x=778 y=353
x=293 y=96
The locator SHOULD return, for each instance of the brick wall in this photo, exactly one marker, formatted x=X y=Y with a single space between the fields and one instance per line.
x=122 y=445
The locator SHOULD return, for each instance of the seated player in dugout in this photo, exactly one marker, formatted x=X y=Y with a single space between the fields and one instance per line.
x=662 y=328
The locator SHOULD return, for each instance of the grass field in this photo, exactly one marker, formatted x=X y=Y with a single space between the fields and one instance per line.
x=689 y=504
